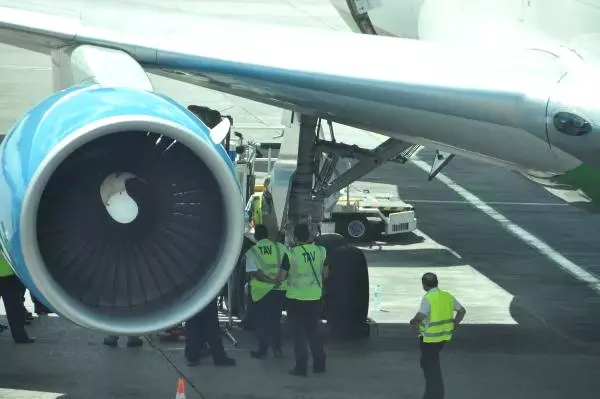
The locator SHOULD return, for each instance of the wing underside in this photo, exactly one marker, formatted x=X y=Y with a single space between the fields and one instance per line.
x=409 y=90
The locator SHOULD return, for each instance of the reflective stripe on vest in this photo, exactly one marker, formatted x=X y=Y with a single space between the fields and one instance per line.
x=302 y=284
x=441 y=317
x=268 y=257
x=257 y=214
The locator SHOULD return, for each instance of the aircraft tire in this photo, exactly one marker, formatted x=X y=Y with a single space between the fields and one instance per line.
x=347 y=300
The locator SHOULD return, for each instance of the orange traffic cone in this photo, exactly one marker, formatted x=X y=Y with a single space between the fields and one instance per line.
x=180 y=389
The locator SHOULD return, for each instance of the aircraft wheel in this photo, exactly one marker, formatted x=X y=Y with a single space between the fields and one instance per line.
x=348 y=294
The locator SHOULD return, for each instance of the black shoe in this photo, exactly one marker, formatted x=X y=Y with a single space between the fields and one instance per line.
x=257 y=354
x=319 y=370
x=297 y=373
x=26 y=340
x=225 y=362
x=278 y=354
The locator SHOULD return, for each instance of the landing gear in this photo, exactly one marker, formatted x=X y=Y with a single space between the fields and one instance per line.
x=306 y=175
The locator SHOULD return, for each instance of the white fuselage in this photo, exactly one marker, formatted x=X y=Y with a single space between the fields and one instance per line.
x=564 y=29
x=495 y=23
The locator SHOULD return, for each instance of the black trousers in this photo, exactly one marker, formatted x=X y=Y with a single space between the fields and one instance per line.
x=22 y=289
x=268 y=314
x=10 y=291
x=430 y=363
x=201 y=329
x=304 y=318
x=39 y=307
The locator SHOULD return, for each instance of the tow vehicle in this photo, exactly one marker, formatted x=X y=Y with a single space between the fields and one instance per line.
x=365 y=217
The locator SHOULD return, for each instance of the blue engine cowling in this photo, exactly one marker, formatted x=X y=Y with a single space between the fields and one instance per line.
x=130 y=277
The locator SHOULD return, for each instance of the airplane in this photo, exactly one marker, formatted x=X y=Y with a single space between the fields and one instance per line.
x=522 y=97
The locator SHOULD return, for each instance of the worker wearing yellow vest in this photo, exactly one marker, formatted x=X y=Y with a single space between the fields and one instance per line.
x=261 y=209
x=263 y=262
x=304 y=269
x=436 y=323
x=9 y=291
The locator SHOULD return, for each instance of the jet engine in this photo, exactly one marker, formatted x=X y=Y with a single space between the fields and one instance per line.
x=117 y=210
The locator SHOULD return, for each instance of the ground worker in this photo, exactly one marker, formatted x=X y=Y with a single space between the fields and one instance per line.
x=304 y=269
x=262 y=211
x=436 y=322
x=204 y=329
x=10 y=292
x=263 y=262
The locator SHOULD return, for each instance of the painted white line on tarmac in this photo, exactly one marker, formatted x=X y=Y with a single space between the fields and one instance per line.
x=576 y=271
x=497 y=203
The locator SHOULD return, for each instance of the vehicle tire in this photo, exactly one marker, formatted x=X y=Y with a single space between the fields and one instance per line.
x=355 y=228
x=347 y=303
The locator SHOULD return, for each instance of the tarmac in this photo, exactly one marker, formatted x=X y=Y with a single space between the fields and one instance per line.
x=522 y=261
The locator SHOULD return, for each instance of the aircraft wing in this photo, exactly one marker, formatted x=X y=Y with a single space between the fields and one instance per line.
x=286 y=67
x=474 y=103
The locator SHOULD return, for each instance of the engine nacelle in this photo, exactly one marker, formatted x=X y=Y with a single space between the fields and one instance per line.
x=117 y=210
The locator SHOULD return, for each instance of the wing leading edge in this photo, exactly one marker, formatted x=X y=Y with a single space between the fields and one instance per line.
x=406 y=89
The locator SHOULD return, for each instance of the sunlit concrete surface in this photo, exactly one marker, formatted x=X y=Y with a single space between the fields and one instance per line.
x=531 y=329
x=402 y=292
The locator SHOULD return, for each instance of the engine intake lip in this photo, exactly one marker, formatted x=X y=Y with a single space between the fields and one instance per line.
x=141 y=324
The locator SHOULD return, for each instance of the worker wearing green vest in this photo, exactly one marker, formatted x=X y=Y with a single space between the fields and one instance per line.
x=263 y=262
x=261 y=209
x=9 y=291
x=436 y=323
x=257 y=209
x=304 y=269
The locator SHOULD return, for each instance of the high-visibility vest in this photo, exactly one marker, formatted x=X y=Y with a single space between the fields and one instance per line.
x=304 y=284
x=5 y=269
x=441 y=317
x=268 y=256
x=257 y=209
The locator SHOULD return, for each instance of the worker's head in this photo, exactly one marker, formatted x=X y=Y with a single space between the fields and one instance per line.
x=429 y=281
x=260 y=232
x=267 y=183
x=301 y=232
x=280 y=237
